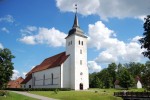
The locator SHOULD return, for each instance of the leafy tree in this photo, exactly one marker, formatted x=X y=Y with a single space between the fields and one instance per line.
x=146 y=75
x=97 y=83
x=6 y=66
x=91 y=79
x=145 y=41
x=112 y=68
x=105 y=78
x=135 y=68
x=125 y=79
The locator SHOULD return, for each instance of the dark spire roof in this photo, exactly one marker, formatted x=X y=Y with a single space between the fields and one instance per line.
x=75 y=28
x=75 y=24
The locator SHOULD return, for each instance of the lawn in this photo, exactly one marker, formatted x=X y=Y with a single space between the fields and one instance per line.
x=78 y=95
x=14 y=96
x=111 y=91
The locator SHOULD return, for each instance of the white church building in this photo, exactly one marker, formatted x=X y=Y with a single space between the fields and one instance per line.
x=65 y=70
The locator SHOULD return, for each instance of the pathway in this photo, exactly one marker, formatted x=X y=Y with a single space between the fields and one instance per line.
x=33 y=95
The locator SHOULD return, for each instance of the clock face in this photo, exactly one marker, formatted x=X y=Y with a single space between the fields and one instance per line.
x=81 y=73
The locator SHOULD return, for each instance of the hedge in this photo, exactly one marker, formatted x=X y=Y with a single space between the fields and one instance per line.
x=38 y=89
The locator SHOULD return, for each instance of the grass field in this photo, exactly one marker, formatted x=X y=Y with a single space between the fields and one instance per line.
x=14 y=96
x=79 y=95
x=91 y=94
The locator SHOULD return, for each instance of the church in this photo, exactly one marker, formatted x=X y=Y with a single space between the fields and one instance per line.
x=64 y=70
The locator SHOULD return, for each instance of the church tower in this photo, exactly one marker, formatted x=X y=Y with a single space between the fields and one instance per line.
x=76 y=48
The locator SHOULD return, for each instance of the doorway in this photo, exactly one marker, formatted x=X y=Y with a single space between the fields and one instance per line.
x=29 y=86
x=81 y=86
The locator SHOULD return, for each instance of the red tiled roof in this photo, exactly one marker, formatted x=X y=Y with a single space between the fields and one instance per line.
x=26 y=79
x=15 y=83
x=50 y=62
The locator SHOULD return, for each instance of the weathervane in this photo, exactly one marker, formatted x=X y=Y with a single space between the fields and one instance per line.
x=76 y=7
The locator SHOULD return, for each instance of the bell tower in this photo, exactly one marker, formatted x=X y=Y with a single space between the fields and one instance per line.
x=76 y=47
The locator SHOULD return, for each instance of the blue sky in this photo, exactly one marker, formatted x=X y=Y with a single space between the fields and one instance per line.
x=35 y=29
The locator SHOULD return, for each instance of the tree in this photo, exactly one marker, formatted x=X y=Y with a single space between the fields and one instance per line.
x=112 y=68
x=6 y=66
x=135 y=69
x=105 y=78
x=125 y=79
x=91 y=79
x=145 y=41
x=146 y=75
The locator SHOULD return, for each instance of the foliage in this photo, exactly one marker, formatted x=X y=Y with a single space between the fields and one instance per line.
x=6 y=66
x=38 y=89
x=146 y=75
x=2 y=93
x=97 y=83
x=107 y=77
x=126 y=80
x=91 y=79
x=145 y=41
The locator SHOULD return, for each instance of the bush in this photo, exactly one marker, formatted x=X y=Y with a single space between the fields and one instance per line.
x=2 y=93
x=38 y=89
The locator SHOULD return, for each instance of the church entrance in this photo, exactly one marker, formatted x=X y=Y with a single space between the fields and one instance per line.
x=29 y=86
x=81 y=86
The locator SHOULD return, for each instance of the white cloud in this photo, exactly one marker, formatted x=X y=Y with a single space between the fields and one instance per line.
x=28 y=40
x=7 y=18
x=24 y=74
x=93 y=66
x=107 y=8
x=4 y=29
x=1 y=46
x=28 y=30
x=136 y=39
x=51 y=37
x=111 y=49
x=15 y=75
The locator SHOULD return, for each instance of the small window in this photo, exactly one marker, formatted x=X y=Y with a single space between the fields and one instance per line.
x=82 y=42
x=68 y=43
x=80 y=62
x=44 y=79
x=71 y=42
x=52 y=78
x=80 y=51
x=79 y=42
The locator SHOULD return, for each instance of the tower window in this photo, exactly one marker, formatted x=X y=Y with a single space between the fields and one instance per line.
x=82 y=42
x=68 y=43
x=71 y=42
x=80 y=51
x=79 y=42
x=80 y=62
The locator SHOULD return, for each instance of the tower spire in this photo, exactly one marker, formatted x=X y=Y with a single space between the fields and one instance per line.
x=75 y=24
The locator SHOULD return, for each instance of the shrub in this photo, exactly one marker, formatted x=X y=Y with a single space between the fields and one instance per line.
x=2 y=93
x=38 y=89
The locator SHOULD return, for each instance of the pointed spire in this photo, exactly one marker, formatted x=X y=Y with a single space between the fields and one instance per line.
x=75 y=24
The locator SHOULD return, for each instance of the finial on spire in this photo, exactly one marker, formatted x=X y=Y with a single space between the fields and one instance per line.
x=76 y=7
x=76 y=24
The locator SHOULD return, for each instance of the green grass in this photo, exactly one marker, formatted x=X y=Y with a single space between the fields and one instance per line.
x=77 y=95
x=14 y=96
x=111 y=91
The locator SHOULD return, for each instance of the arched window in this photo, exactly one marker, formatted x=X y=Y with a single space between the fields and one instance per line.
x=44 y=79
x=79 y=42
x=82 y=42
x=52 y=76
